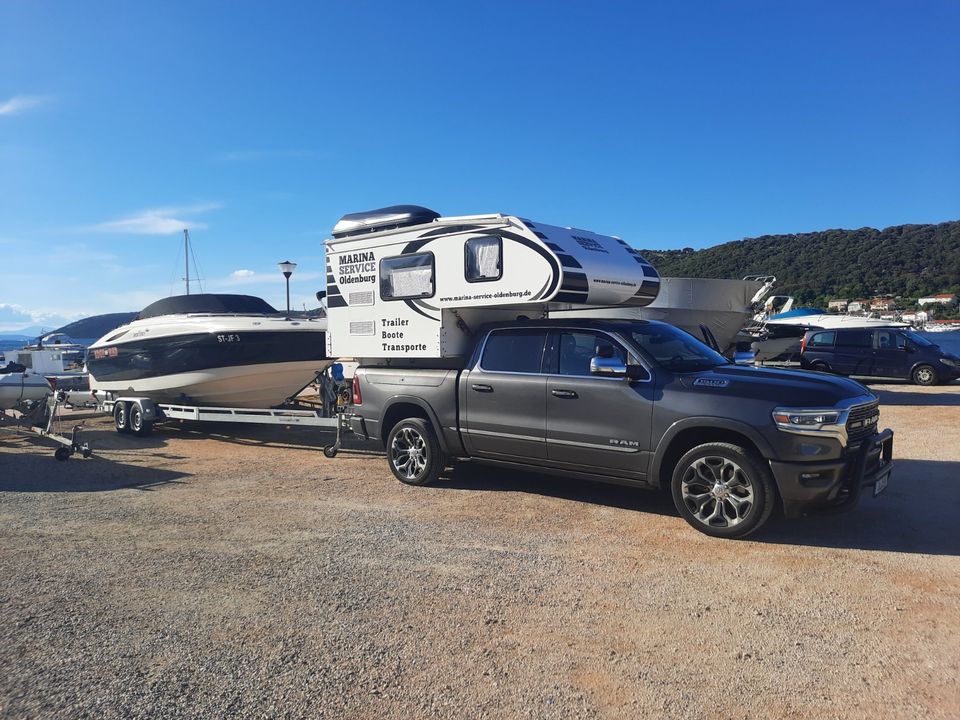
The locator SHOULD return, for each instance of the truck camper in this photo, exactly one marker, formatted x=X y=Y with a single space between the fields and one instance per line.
x=405 y=284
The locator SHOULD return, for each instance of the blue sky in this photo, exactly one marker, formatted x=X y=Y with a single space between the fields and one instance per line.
x=258 y=124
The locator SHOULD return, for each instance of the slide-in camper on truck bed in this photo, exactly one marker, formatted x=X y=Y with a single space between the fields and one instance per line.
x=458 y=360
x=403 y=282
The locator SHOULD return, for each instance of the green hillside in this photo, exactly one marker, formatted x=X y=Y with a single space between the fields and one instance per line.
x=905 y=260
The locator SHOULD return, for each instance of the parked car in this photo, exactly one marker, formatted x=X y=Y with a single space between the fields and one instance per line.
x=885 y=352
x=635 y=403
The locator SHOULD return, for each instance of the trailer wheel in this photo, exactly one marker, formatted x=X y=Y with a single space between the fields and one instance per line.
x=121 y=417
x=330 y=451
x=62 y=454
x=138 y=425
x=413 y=452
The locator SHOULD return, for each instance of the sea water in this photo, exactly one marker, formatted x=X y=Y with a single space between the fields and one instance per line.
x=949 y=341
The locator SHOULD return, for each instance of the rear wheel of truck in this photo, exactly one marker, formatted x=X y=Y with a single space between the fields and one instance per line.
x=723 y=490
x=414 y=453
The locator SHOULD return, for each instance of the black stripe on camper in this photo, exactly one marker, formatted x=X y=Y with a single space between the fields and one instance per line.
x=575 y=282
x=551 y=260
x=540 y=235
x=332 y=290
x=335 y=301
x=331 y=280
x=553 y=246
x=527 y=223
x=570 y=297
x=568 y=261
x=647 y=289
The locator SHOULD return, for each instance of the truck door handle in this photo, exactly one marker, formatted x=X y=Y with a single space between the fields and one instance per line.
x=566 y=394
x=482 y=388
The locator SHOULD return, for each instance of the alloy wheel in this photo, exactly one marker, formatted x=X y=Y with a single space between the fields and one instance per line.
x=717 y=492
x=408 y=453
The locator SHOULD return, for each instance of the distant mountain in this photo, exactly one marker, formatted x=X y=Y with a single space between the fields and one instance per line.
x=96 y=326
x=904 y=260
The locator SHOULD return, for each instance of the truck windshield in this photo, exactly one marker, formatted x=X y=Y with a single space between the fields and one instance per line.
x=674 y=349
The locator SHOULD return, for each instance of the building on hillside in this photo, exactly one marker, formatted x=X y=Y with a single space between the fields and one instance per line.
x=941 y=299
x=883 y=304
x=838 y=305
x=856 y=306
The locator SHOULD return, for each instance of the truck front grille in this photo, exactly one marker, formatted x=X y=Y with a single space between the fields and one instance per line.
x=862 y=422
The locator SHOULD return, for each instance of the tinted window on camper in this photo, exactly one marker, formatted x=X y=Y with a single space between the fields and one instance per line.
x=514 y=351
x=483 y=259
x=407 y=276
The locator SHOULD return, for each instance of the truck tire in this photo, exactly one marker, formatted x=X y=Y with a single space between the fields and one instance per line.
x=723 y=490
x=924 y=375
x=413 y=452
x=139 y=426
x=121 y=417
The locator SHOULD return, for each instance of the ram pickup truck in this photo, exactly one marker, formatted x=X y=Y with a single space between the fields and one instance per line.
x=635 y=403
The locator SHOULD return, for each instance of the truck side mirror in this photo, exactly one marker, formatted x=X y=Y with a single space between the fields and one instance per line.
x=607 y=366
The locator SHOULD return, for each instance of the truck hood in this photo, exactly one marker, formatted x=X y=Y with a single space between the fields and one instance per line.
x=789 y=388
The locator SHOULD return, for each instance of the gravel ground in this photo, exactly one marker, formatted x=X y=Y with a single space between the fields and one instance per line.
x=202 y=574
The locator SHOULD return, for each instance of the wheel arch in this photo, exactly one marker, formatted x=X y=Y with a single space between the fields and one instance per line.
x=406 y=406
x=686 y=434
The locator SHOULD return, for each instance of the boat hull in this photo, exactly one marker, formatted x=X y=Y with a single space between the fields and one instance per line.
x=243 y=386
x=17 y=388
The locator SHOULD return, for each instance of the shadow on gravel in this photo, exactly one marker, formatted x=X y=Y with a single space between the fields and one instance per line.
x=946 y=397
x=40 y=472
x=917 y=513
x=467 y=476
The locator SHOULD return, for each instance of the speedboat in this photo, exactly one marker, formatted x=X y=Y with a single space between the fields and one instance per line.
x=19 y=386
x=211 y=350
x=720 y=306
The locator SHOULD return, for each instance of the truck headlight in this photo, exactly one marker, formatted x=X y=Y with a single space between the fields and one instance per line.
x=787 y=419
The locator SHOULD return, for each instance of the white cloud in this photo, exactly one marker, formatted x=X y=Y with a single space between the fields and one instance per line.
x=18 y=103
x=158 y=221
x=17 y=317
x=242 y=273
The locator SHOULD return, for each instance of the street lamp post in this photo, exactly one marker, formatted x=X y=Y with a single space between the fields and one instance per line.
x=287 y=267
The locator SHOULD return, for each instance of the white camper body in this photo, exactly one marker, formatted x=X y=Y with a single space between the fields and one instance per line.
x=404 y=282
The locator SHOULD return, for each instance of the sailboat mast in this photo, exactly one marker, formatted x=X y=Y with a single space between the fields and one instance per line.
x=186 y=256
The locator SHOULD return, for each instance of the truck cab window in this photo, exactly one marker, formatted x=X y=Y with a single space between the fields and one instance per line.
x=519 y=351
x=483 y=259
x=407 y=276
x=577 y=348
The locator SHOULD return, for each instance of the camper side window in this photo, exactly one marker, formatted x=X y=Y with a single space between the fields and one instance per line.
x=407 y=276
x=482 y=259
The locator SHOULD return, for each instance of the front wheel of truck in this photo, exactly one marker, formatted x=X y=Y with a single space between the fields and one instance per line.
x=414 y=453
x=723 y=490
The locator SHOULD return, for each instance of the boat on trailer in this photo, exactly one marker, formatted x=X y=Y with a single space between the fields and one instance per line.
x=228 y=351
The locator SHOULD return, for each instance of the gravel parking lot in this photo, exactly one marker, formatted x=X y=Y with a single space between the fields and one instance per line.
x=199 y=574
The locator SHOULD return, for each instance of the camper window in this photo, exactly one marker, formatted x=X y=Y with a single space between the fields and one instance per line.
x=407 y=276
x=482 y=259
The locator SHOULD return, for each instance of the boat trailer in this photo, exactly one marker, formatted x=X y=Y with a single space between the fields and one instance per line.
x=44 y=420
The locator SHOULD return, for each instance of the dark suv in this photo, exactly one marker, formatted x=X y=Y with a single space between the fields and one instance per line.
x=884 y=352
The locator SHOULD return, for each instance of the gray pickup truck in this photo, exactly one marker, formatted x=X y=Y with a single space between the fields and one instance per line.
x=634 y=403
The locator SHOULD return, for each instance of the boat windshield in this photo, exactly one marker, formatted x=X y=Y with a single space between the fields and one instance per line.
x=675 y=349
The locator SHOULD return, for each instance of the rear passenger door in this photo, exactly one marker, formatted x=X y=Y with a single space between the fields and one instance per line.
x=595 y=424
x=853 y=354
x=503 y=399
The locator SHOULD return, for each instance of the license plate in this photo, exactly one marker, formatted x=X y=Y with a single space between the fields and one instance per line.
x=881 y=484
